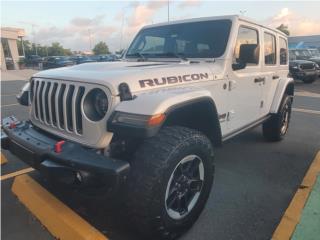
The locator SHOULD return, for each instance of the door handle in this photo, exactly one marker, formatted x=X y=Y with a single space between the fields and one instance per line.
x=259 y=79
x=275 y=77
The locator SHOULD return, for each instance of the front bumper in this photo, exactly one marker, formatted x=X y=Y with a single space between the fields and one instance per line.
x=304 y=74
x=75 y=164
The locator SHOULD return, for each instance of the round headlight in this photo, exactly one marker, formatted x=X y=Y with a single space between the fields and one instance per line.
x=95 y=104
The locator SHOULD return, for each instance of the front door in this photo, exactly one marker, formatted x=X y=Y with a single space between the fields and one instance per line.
x=245 y=85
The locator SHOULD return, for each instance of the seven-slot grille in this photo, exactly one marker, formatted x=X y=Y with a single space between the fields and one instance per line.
x=307 y=66
x=58 y=104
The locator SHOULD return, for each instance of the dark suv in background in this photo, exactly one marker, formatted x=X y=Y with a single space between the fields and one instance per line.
x=306 y=71
x=304 y=65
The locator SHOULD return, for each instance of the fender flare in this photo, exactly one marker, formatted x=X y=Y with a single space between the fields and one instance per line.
x=214 y=132
x=204 y=100
x=285 y=86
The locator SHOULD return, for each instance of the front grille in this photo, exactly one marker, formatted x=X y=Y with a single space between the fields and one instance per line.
x=58 y=104
x=307 y=66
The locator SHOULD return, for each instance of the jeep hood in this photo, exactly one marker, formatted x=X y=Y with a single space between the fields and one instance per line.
x=140 y=76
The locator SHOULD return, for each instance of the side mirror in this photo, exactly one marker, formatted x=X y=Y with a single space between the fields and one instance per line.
x=238 y=66
x=23 y=96
x=249 y=53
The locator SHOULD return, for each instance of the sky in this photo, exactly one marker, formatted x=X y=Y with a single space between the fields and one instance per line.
x=80 y=24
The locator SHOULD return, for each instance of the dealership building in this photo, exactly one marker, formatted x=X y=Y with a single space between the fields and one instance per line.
x=304 y=41
x=9 y=47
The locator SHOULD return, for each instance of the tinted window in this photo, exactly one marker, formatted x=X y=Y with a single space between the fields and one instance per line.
x=206 y=39
x=269 y=49
x=249 y=37
x=283 y=51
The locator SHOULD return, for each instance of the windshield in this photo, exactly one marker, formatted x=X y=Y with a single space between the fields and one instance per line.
x=205 y=39
x=304 y=53
x=314 y=52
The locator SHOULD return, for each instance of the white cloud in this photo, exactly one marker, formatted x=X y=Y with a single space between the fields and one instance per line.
x=189 y=3
x=76 y=34
x=142 y=14
x=297 y=24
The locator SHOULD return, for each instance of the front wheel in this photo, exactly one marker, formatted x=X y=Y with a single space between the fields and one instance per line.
x=275 y=128
x=170 y=182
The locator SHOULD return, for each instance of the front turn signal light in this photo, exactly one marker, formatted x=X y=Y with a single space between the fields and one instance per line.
x=156 y=119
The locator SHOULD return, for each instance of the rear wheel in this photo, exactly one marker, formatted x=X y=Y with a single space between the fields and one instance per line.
x=170 y=182
x=277 y=126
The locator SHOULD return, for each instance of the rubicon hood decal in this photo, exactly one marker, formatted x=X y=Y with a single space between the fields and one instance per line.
x=173 y=79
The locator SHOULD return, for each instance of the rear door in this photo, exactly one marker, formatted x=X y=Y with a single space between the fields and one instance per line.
x=270 y=70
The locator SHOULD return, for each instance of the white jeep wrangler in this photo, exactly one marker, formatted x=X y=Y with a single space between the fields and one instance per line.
x=146 y=126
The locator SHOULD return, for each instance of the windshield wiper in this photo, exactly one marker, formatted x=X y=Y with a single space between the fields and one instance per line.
x=177 y=55
x=141 y=57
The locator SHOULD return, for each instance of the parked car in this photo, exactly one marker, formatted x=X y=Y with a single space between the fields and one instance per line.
x=33 y=60
x=9 y=63
x=104 y=58
x=304 y=70
x=315 y=57
x=82 y=59
x=299 y=54
x=147 y=126
x=56 y=62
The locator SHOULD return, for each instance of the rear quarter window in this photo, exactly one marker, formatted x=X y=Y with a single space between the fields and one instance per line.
x=270 y=49
x=283 y=51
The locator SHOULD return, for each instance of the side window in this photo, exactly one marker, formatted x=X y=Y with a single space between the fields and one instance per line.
x=247 y=46
x=283 y=51
x=269 y=49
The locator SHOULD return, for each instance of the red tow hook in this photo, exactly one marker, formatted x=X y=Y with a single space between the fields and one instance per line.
x=58 y=146
x=12 y=125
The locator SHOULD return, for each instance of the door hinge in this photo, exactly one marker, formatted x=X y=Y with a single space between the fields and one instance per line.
x=232 y=84
x=230 y=115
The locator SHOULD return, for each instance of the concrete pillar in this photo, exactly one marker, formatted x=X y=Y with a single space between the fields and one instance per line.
x=14 y=52
x=3 y=65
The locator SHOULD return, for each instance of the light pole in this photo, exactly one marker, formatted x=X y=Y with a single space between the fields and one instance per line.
x=121 y=33
x=168 y=10
x=22 y=44
x=122 y=27
x=90 y=41
x=34 y=38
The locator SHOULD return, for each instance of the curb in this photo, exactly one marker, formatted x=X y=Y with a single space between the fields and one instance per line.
x=3 y=159
x=291 y=217
x=60 y=220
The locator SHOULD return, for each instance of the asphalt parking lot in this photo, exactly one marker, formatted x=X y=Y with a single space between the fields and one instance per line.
x=254 y=183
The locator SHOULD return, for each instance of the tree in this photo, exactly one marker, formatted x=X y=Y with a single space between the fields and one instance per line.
x=27 y=47
x=284 y=28
x=55 y=49
x=101 y=48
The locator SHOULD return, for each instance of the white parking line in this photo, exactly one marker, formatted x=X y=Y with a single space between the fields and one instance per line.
x=307 y=94
x=9 y=105
x=305 y=110
x=9 y=95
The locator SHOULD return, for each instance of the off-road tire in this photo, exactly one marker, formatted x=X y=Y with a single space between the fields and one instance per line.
x=154 y=162
x=309 y=80
x=272 y=128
